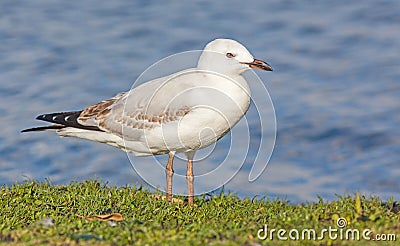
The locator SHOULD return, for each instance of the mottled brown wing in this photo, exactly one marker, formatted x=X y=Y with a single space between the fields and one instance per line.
x=95 y=110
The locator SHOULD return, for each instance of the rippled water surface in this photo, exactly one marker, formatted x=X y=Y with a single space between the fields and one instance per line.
x=335 y=87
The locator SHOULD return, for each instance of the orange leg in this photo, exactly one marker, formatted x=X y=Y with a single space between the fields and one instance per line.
x=169 y=172
x=189 y=180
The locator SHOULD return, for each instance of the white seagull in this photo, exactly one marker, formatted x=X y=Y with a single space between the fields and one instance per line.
x=182 y=112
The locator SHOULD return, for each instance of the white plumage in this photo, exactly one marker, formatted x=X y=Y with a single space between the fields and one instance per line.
x=182 y=112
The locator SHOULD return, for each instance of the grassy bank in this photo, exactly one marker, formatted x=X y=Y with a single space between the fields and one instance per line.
x=39 y=213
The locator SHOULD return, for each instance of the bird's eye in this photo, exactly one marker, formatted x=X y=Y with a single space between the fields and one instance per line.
x=230 y=55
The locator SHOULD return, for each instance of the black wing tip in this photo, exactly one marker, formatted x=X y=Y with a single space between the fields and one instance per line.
x=40 y=117
x=59 y=117
x=43 y=128
x=62 y=119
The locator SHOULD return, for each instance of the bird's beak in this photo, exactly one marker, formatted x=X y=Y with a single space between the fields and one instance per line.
x=259 y=65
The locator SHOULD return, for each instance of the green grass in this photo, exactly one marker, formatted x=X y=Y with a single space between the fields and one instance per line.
x=222 y=219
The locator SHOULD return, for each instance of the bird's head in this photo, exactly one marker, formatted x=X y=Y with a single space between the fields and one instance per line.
x=229 y=57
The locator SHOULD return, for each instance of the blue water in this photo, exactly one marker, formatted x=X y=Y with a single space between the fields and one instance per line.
x=335 y=87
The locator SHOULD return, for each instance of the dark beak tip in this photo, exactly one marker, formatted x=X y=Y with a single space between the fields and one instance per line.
x=267 y=67
x=262 y=65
